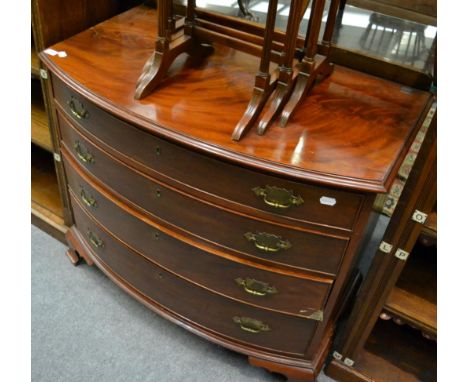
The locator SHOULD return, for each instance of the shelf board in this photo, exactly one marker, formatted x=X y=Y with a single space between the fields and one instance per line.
x=35 y=65
x=430 y=226
x=40 y=134
x=48 y=222
x=46 y=206
x=414 y=297
x=392 y=353
x=413 y=309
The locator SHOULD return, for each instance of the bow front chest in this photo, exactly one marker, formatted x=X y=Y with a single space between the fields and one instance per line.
x=248 y=244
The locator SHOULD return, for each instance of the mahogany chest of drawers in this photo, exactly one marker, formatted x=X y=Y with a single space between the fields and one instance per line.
x=247 y=244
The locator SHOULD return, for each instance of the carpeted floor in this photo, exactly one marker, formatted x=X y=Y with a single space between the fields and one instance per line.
x=85 y=328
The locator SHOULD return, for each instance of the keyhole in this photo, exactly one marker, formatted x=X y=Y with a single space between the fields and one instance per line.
x=159 y=275
x=158 y=193
x=156 y=236
x=158 y=150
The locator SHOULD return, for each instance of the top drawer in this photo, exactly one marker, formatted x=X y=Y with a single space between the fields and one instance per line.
x=280 y=198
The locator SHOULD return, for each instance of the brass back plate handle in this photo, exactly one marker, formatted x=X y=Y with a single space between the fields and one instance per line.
x=255 y=287
x=95 y=240
x=278 y=197
x=85 y=157
x=251 y=325
x=78 y=109
x=267 y=242
x=87 y=199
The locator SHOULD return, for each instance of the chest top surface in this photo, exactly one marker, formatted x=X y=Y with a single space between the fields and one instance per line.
x=352 y=131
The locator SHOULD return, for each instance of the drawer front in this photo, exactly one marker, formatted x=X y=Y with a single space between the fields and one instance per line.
x=221 y=315
x=282 y=198
x=275 y=244
x=246 y=283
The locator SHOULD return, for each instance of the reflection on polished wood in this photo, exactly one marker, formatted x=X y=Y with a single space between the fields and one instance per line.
x=351 y=132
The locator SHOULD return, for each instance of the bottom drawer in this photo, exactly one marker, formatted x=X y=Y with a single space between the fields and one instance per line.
x=239 y=322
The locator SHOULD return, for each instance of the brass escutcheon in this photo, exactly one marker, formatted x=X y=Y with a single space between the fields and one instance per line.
x=267 y=242
x=278 y=197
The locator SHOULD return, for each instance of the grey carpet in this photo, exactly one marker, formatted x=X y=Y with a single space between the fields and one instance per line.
x=85 y=328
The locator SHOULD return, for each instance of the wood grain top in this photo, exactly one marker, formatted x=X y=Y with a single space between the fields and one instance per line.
x=353 y=131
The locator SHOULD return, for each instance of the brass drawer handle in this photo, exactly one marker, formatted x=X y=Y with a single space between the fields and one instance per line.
x=88 y=200
x=85 y=157
x=267 y=242
x=278 y=197
x=255 y=287
x=95 y=240
x=251 y=325
x=78 y=109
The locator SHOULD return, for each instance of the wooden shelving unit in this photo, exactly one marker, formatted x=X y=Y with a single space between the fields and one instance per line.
x=46 y=204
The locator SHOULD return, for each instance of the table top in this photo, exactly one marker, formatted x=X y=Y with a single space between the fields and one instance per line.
x=352 y=131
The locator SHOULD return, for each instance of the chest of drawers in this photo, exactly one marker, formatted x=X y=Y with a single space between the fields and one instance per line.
x=248 y=244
